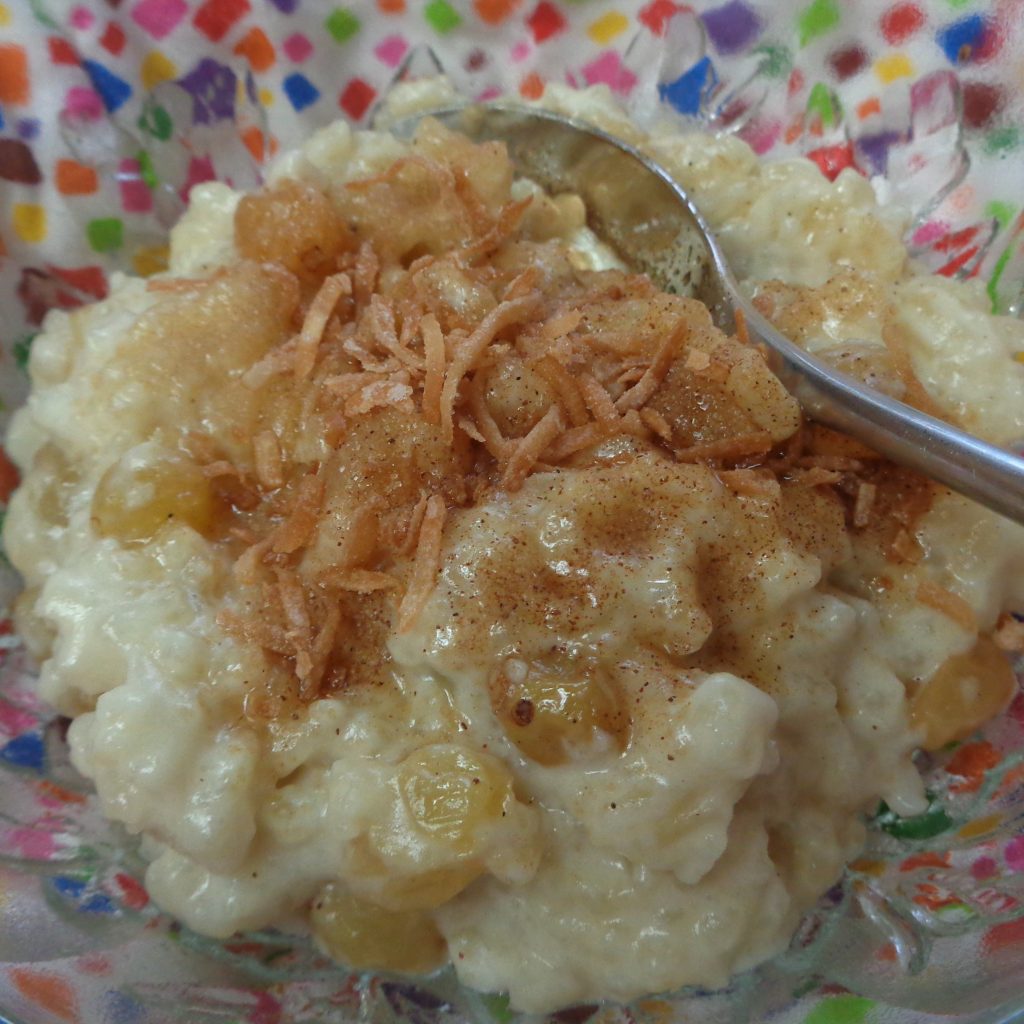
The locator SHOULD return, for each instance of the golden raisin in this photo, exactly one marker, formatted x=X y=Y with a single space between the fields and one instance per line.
x=139 y=494
x=553 y=717
x=452 y=794
x=423 y=891
x=966 y=691
x=368 y=937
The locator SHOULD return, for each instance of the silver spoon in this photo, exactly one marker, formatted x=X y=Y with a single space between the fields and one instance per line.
x=634 y=205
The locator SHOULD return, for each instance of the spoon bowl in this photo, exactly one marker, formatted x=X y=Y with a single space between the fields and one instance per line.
x=637 y=208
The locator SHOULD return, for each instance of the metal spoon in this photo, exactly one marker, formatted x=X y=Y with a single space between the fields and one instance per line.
x=635 y=206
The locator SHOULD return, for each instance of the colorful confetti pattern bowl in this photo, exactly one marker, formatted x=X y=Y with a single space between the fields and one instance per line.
x=110 y=110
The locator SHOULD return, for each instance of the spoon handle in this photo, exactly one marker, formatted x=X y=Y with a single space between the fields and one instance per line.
x=988 y=474
x=642 y=211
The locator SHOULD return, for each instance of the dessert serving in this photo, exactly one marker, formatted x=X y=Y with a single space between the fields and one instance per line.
x=417 y=574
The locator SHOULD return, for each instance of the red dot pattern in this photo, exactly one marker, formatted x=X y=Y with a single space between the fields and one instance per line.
x=901 y=22
x=215 y=17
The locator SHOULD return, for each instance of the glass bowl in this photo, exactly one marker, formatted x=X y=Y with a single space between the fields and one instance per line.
x=111 y=113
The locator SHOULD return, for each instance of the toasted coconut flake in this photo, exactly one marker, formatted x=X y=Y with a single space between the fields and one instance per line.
x=236 y=491
x=530 y=448
x=657 y=423
x=368 y=363
x=561 y=324
x=425 y=565
x=479 y=217
x=815 y=477
x=360 y=539
x=298 y=529
x=838 y=463
x=422 y=262
x=728 y=448
x=566 y=388
x=522 y=284
x=304 y=669
x=949 y=604
x=864 y=504
x=488 y=430
x=364 y=275
x=645 y=387
x=335 y=428
x=742 y=334
x=313 y=326
x=905 y=548
x=379 y=395
x=469 y=428
x=344 y=385
x=221 y=467
x=434 y=363
x=314 y=661
x=247 y=568
x=575 y=440
x=750 y=483
x=385 y=332
x=267 y=458
x=1009 y=634
x=631 y=423
x=508 y=220
x=293 y=604
x=277 y=361
x=470 y=350
x=361 y=581
x=599 y=402
x=412 y=530
x=791 y=451
x=629 y=376
x=203 y=448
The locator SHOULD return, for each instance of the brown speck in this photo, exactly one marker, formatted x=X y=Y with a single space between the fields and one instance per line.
x=522 y=713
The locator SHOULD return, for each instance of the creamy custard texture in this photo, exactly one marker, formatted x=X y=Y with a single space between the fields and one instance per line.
x=411 y=578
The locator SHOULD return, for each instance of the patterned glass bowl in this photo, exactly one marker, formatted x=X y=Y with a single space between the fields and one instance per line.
x=126 y=107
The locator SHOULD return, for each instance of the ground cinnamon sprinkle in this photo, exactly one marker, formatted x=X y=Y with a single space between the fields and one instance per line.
x=440 y=357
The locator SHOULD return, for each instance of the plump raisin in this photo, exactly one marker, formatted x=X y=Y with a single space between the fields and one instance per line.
x=555 y=716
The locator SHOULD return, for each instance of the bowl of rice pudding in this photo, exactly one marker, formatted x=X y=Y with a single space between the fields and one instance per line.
x=418 y=578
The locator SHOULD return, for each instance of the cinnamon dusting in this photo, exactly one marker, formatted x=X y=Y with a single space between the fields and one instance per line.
x=435 y=356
